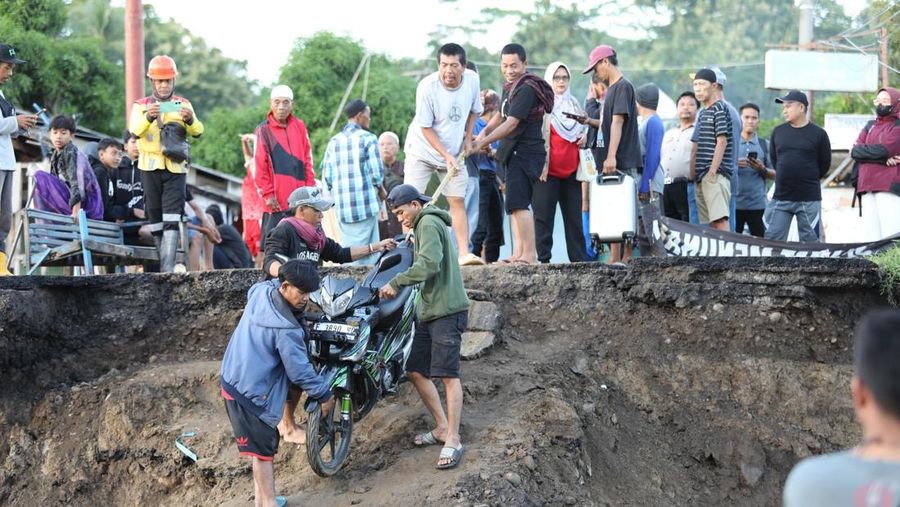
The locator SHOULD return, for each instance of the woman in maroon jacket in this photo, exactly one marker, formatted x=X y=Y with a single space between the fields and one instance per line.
x=877 y=150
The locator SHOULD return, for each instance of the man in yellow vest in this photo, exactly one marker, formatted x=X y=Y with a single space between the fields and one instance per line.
x=162 y=123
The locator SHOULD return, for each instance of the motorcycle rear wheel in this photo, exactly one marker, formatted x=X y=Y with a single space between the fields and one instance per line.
x=328 y=436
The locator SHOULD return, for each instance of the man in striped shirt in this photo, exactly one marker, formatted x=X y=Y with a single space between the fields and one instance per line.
x=714 y=159
x=353 y=172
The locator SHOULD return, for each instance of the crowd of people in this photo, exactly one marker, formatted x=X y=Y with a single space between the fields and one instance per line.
x=525 y=151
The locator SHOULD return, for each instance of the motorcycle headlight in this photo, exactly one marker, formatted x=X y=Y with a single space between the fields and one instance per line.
x=336 y=306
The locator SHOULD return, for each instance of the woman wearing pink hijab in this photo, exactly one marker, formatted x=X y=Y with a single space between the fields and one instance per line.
x=558 y=184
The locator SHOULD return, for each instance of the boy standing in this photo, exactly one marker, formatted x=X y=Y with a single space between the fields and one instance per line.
x=70 y=185
x=441 y=317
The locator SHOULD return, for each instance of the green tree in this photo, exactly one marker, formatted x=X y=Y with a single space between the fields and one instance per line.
x=320 y=68
x=220 y=145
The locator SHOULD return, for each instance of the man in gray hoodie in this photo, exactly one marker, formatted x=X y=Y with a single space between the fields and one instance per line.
x=267 y=353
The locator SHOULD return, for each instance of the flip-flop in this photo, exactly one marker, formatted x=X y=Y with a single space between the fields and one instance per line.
x=451 y=453
x=522 y=261
x=426 y=439
x=506 y=261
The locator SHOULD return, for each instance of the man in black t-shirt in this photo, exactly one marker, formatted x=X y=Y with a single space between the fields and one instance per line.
x=522 y=154
x=618 y=143
x=801 y=154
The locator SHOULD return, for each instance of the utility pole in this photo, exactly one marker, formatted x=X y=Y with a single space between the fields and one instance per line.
x=807 y=15
x=884 y=57
x=134 y=54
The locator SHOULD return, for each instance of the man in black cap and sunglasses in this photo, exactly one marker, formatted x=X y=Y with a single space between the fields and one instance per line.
x=10 y=123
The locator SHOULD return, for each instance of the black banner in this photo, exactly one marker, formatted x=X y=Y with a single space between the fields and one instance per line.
x=674 y=238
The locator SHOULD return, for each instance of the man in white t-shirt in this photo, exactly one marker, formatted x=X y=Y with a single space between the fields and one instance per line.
x=447 y=104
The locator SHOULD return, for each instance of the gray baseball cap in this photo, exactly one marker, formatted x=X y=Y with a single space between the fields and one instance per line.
x=309 y=196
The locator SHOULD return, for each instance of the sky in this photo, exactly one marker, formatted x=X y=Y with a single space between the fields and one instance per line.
x=262 y=32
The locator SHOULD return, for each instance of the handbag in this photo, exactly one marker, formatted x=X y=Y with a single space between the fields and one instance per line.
x=173 y=137
x=587 y=169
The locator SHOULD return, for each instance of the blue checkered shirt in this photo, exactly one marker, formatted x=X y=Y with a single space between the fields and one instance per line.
x=353 y=172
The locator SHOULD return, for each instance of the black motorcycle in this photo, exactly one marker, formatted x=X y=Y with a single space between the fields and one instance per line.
x=360 y=345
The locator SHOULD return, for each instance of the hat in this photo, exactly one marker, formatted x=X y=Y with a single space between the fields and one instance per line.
x=706 y=75
x=281 y=92
x=648 y=96
x=793 y=96
x=597 y=54
x=405 y=194
x=354 y=108
x=720 y=76
x=309 y=196
x=8 y=55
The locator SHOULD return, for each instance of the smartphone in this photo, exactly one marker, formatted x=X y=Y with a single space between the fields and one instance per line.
x=572 y=116
x=170 y=106
x=752 y=155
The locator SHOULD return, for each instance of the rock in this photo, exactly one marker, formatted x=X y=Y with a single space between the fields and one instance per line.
x=718 y=307
x=355 y=501
x=362 y=490
x=570 y=500
x=751 y=473
x=475 y=343
x=775 y=316
x=529 y=463
x=614 y=420
x=580 y=366
x=483 y=316
x=513 y=478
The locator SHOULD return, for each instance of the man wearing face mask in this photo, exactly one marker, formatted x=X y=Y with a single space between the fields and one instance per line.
x=283 y=158
x=163 y=171
x=877 y=150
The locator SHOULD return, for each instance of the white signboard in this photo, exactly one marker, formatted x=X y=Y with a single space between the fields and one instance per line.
x=818 y=71
x=843 y=129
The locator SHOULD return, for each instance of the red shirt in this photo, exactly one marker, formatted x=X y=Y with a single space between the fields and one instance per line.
x=286 y=163
x=564 y=156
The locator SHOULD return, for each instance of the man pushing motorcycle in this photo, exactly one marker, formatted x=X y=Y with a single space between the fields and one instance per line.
x=441 y=317
x=265 y=355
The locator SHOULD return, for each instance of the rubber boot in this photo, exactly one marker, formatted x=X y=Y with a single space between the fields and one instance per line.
x=3 y=270
x=168 y=247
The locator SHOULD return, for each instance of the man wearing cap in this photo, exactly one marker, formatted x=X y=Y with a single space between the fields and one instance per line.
x=300 y=235
x=10 y=123
x=163 y=171
x=447 y=103
x=441 y=317
x=352 y=171
x=619 y=143
x=282 y=157
x=713 y=162
x=801 y=155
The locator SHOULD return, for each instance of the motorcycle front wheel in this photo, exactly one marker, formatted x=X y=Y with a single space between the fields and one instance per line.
x=328 y=436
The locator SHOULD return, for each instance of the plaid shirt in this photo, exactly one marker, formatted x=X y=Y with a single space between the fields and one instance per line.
x=353 y=172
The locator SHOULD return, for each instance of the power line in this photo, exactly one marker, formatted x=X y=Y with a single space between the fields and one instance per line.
x=851 y=31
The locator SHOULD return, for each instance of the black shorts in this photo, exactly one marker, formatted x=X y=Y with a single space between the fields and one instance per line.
x=522 y=172
x=435 y=347
x=253 y=437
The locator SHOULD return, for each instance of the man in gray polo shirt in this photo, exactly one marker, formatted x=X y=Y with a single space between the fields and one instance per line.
x=754 y=167
x=868 y=474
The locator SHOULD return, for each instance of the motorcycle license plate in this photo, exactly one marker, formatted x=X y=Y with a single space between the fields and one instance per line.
x=331 y=327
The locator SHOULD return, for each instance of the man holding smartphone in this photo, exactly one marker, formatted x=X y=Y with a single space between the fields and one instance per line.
x=10 y=123
x=753 y=170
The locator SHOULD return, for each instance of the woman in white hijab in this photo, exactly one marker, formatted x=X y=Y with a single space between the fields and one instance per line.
x=558 y=184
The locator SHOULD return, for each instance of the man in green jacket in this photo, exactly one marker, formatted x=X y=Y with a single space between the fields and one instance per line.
x=442 y=317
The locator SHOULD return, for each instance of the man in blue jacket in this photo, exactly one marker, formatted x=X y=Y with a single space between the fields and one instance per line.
x=265 y=355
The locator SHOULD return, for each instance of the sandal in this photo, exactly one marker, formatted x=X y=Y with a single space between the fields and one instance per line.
x=426 y=439
x=451 y=453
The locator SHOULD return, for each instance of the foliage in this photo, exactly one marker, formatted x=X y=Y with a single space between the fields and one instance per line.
x=320 y=68
x=889 y=262
x=220 y=146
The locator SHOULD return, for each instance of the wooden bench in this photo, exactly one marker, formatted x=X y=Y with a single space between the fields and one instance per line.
x=52 y=239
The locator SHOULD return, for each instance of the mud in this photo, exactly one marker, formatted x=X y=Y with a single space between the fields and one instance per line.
x=675 y=382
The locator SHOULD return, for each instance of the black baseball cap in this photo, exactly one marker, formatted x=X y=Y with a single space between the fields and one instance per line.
x=405 y=194
x=793 y=96
x=8 y=55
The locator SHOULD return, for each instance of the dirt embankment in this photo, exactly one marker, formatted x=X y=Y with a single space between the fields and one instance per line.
x=677 y=382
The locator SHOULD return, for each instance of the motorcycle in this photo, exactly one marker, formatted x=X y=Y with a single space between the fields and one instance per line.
x=360 y=345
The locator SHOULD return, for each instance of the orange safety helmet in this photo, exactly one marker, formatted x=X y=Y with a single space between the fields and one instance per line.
x=162 y=67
